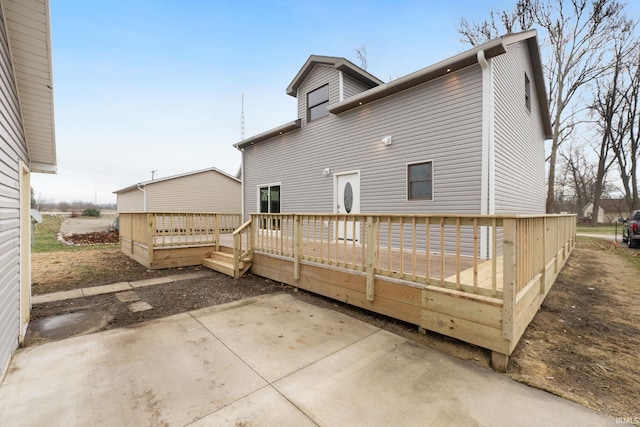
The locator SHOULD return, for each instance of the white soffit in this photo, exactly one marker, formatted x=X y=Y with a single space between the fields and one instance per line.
x=29 y=34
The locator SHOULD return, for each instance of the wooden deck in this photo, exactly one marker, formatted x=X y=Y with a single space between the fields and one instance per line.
x=424 y=269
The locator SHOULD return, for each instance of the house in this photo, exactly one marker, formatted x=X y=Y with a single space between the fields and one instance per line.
x=27 y=144
x=610 y=210
x=206 y=190
x=421 y=199
x=463 y=136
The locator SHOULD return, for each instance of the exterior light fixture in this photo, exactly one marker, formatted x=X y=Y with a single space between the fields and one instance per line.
x=448 y=70
x=387 y=140
x=326 y=171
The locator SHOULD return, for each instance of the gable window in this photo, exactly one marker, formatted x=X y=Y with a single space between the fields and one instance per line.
x=318 y=103
x=527 y=92
x=420 y=181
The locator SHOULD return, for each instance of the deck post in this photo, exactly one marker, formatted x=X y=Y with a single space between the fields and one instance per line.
x=509 y=226
x=499 y=361
x=150 y=235
x=216 y=230
x=545 y=257
x=370 y=266
x=131 y=240
x=297 y=237
x=237 y=251
x=252 y=237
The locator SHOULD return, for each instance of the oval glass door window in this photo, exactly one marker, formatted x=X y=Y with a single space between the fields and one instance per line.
x=348 y=197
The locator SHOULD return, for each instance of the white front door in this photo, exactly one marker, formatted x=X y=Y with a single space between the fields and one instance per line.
x=347 y=202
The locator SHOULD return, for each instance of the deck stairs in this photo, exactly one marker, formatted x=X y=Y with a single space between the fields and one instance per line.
x=222 y=262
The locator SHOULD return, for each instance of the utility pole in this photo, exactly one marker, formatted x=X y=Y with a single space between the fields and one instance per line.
x=242 y=120
x=153 y=173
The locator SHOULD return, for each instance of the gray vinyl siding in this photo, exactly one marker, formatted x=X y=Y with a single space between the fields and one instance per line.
x=439 y=121
x=321 y=75
x=12 y=150
x=351 y=86
x=207 y=191
x=519 y=140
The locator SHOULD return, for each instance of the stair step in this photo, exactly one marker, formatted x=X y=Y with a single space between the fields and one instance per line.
x=222 y=262
x=219 y=266
x=222 y=257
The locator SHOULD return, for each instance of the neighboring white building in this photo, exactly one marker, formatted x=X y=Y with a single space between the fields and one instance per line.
x=27 y=144
x=207 y=190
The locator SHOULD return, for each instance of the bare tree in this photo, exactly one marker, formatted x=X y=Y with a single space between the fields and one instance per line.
x=361 y=53
x=580 y=176
x=577 y=34
x=627 y=147
x=609 y=109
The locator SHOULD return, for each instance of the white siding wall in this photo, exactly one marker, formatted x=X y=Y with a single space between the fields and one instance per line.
x=131 y=201
x=519 y=140
x=12 y=150
x=208 y=191
x=438 y=121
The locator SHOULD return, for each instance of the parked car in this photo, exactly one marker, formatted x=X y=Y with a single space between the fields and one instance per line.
x=631 y=229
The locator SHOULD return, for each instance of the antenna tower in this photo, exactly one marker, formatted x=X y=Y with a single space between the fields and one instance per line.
x=242 y=120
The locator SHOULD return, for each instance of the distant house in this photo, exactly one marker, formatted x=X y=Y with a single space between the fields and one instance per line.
x=465 y=135
x=27 y=144
x=207 y=190
x=610 y=210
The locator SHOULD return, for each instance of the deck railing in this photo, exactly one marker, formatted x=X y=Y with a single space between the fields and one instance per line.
x=481 y=254
x=172 y=229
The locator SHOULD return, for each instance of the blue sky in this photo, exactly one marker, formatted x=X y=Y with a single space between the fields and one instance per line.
x=145 y=85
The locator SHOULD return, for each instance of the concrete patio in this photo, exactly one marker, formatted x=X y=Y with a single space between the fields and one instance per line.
x=266 y=361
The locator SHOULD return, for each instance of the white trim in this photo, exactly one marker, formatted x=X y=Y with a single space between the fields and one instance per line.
x=340 y=87
x=406 y=182
x=242 y=181
x=24 y=310
x=487 y=188
x=273 y=184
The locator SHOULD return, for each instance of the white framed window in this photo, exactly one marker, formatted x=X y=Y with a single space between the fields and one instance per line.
x=420 y=181
x=269 y=198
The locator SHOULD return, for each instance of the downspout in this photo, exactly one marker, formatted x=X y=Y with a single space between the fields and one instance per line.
x=242 y=186
x=487 y=202
x=144 y=198
x=341 y=86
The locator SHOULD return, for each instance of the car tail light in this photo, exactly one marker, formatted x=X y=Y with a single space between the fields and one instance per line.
x=634 y=227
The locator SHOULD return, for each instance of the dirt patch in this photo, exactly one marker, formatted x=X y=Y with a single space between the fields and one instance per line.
x=164 y=299
x=62 y=271
x=582 y=345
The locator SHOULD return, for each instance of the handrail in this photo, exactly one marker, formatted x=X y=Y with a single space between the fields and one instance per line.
x=242 y=228
x=238 y=253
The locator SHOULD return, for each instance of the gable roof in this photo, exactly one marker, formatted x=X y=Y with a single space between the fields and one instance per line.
x=29 y=38
x=381 y=90
x=339 y=64
x=490 y=49
x=155 y=181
